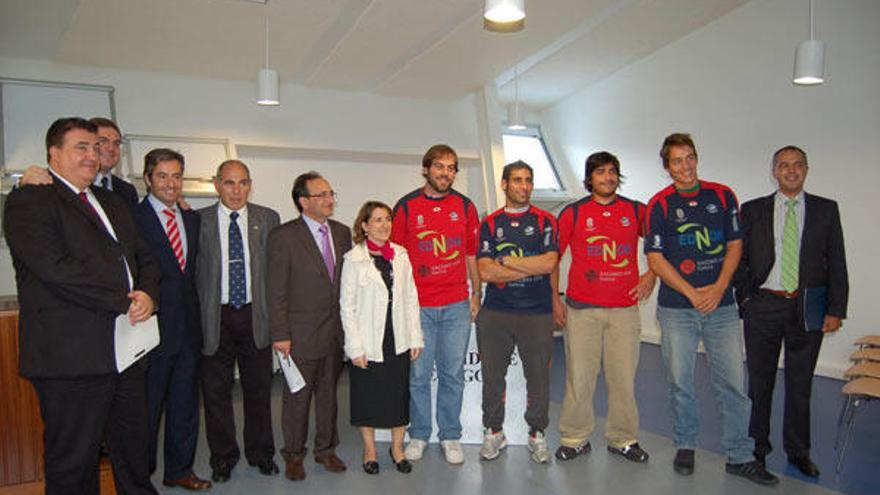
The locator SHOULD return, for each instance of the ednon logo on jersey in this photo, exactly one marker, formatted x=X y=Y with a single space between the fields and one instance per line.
x=431 y=241
x=699 y=236
x=611 y=253
x=516 y=252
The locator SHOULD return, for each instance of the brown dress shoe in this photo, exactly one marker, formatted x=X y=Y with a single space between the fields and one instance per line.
x=294 y=470
x=331 y=463
x=191 y=482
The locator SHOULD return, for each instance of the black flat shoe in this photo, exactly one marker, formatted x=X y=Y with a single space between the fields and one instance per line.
x=805 y=465
x=404 y=466
x=371 y=467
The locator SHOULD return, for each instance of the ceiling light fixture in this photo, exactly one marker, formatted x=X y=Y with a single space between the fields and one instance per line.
x=809 y=59
x=514 y=116
x=504 y=16
x=267 y=79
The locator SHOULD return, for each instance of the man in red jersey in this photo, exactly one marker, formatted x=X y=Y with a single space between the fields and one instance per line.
x=438 y=227
x=601 y=312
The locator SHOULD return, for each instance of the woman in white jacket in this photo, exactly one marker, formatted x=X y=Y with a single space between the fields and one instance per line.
x=383 y=332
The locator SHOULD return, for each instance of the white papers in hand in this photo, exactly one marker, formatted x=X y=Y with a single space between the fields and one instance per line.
x=133 y=342
x=292 y=375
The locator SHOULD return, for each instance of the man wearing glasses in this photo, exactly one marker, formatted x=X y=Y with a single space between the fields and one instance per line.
x=439 y=228
x=305 y=256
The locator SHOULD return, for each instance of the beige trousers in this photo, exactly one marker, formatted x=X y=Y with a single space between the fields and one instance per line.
x=607 y=337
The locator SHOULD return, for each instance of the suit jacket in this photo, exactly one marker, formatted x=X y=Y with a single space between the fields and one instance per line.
x=303 y=302
x=126 y=190
x=179 y=317
x=209 y=273
x=71 y=278
x=822 y=253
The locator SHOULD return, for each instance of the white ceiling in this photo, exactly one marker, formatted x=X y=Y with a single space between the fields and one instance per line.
x=435 y=49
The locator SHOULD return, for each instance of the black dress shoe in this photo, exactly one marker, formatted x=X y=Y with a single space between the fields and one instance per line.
x=403 y=466
x=371 y=467
x=221 y=472
x=805 y=465
x=267 y=466
x=684 y=462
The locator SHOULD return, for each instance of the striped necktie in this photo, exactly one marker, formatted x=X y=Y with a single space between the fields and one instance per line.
x=174 y=237
x=790 y=247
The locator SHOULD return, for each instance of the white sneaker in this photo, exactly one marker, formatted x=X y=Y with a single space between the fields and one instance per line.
x=493 y=444
x=415 y=449
x=453 y=452
x=538 y=448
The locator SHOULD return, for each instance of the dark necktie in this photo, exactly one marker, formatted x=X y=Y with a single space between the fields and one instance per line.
x=237 y=291
x=105 y=182
x=85 y=199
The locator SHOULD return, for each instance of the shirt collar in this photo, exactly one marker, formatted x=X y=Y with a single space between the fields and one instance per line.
x=782 y=198
x=313 y=224
x=160 y=206
x=68 y=184
x=242 y=213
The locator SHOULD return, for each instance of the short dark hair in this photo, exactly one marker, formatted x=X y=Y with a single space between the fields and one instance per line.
x=363 y=216
x=60 y=128
x=230 y=162
x=789 y=147
x=156 y=155
x=105 y=122
x=301 y=187
x=596 y=160
x=676 y=139
x=437 y=151
x=517 y=165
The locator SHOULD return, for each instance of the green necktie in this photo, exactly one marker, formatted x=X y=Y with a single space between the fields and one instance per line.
x=790 y=248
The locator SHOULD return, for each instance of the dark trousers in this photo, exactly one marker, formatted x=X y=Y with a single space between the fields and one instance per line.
x=255 y=370
x=532 y=335
x=321 y=376
x=78 y=414
x=172 y=388
x=770 y=322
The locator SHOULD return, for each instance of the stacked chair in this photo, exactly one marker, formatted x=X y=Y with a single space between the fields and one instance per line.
x=863 y=386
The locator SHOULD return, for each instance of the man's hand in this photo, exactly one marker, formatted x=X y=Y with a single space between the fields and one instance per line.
x=643 y=289
x=360 y=361
x=475 y=304
x=282 y=346
x=831 y=324
x=141 y=306
x=558 y=312
x=35 y=176
x=710 y=297
x=414 y=353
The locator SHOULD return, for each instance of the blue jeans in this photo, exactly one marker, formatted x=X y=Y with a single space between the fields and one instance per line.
x=682 y=329
x=447 y=331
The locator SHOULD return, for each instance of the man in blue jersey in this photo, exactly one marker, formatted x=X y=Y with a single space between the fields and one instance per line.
x=694 y=243
x=518 y=250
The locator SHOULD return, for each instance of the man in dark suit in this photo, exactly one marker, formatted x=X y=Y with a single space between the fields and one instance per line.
x=303 y=287
x=230 y=278
x=172 y=234
x=80 y=263
x=792 y=289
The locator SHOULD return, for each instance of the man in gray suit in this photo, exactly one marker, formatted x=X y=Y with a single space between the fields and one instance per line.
x=303 y=289
x=230 y=278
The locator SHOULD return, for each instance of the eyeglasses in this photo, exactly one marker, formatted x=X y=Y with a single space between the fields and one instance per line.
x=323 y=195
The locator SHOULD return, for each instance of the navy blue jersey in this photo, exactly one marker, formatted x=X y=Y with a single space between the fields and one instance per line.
x=530 y=233
x=692 y=230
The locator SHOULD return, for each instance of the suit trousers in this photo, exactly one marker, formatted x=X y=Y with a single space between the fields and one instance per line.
x=172 y=389
x=255 y=370
x=321 y=376
x=79 y=413
x=770 y=322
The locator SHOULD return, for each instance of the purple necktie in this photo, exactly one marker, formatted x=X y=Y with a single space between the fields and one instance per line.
x=327 y=251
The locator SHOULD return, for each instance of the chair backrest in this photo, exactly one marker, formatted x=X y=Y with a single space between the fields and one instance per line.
x=866 y=387
x=866 y=354
x=864 y=368
x=868 y=341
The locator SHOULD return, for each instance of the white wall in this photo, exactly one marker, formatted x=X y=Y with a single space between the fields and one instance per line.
x=729 y=84
x=329 y=120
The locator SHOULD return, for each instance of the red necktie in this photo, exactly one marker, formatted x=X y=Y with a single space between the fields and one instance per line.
x=174 y=237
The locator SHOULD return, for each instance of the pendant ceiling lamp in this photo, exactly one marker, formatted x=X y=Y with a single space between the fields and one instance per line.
x=267 y=79
x=809 y=59
x=504 y=16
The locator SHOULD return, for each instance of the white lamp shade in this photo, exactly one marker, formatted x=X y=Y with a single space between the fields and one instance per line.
x=267 y=87
x=514 y=118
x=809 y=63
x=504 y=10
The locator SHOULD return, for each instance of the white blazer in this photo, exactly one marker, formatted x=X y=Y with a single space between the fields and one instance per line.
x=363 y=304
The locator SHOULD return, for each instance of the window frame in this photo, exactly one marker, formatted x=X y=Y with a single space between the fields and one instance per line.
x=535 y=131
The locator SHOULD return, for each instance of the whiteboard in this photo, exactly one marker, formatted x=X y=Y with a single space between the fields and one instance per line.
x=29 y=108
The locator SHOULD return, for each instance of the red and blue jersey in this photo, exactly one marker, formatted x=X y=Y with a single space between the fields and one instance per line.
x=438 y=234
x=692 y=231
x=530 y=233
x=604 y=241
